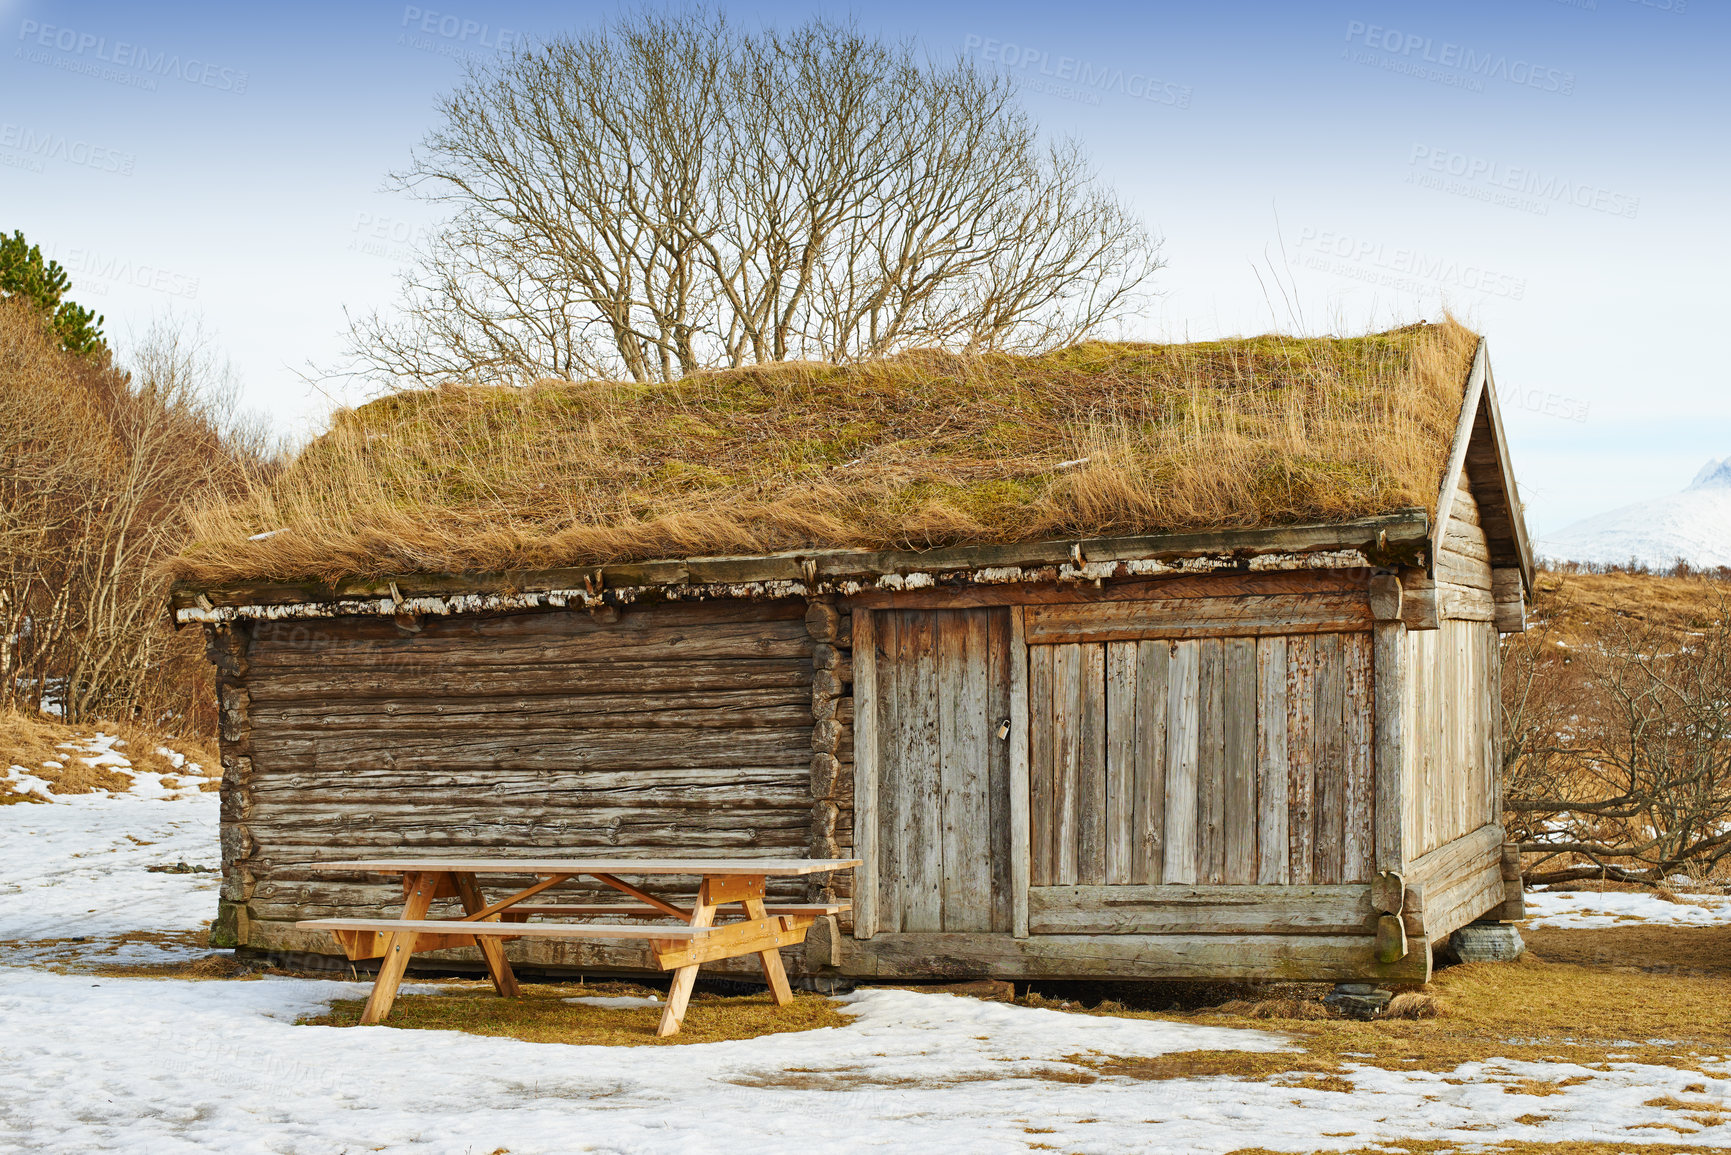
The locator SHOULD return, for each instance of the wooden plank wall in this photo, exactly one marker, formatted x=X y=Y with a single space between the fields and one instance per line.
x=1453 y=707
x=675 y=728
x=1463 y=564
x=1453 y=717
x=943 y=782
x=1214 y=760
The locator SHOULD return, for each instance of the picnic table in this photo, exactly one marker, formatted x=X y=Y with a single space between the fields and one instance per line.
x=759 y=929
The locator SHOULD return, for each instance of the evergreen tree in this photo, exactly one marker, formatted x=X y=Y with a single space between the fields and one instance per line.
x=24 y=274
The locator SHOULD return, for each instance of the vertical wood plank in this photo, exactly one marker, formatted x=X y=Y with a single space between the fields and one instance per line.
x=1272 y=865
x=893 y=840
x=1067 y=744
x=1388 y=671
x=1092 y=802
x=865 y=774
x=1240 y=762
x=921 y=786
x=1211 y=764
x=1020 y=855
x=1042 y=766
x=1121 y=711
x=1494 y=710
x=966 y=881
x=1330 y=759
x=1357 y=719
x=1300 y=759
x=1153 y=661
x=1183 y=741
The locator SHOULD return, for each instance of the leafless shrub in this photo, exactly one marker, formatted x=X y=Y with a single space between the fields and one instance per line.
x=668 y=194
x=96 y=469
x=1617 y=748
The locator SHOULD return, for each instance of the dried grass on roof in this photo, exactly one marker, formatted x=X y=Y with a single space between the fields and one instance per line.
x=926 y=449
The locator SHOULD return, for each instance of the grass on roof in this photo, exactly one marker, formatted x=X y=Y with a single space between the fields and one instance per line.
x=922 y=450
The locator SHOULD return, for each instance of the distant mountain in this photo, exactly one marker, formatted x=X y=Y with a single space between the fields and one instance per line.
x=1694 y=525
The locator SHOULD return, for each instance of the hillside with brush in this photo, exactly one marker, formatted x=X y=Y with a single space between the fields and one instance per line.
x=920 y=450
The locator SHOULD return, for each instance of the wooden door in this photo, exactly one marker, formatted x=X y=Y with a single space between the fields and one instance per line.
x=942 y=680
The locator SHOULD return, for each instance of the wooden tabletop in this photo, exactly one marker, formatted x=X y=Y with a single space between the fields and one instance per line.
x=758 y=866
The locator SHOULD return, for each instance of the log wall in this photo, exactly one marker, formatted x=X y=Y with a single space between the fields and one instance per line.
x=676 y=729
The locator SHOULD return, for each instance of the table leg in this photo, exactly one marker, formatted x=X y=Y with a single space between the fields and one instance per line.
x=679 y=992
x=492 y=950
x=773 y=972
x=399 y=947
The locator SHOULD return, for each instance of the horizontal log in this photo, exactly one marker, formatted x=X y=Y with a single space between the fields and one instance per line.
x=447 y=680
x=1464 y=604
x=1295 y=958
x=1418 y=601
x=354 y=786
x=584 y=750
x=1449 y=862
x=1451 y=907
x=329 y=648
x=651 y=702
x=1245 y=615
x=536 y=716
x=1395 y=536
x=1231 y=583
x=723 y=804
x=1173 y=909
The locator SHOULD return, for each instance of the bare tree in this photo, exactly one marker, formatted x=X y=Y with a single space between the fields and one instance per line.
x=1618 y=753
x=96 y=469
x=669 y=194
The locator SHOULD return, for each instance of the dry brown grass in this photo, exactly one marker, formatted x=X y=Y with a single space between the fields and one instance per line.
x=1575 y=606
x=542 y=1015
x=34 y=743
x=921 y=450
x=1530 y=1010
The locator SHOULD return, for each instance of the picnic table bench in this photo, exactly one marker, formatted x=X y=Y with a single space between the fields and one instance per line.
x=761 y=928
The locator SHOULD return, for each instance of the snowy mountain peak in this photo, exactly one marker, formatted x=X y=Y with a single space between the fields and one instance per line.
x=1716 y=474
x=1692 y=526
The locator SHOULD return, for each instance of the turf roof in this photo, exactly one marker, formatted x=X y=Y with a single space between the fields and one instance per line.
x=925 y=449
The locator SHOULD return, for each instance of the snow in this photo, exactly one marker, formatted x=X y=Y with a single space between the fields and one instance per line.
x=1694 y=525
x=161 y=1066
x=76 y=868
x=1581 y=909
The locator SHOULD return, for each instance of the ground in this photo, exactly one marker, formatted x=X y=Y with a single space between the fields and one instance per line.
x=119 y=1030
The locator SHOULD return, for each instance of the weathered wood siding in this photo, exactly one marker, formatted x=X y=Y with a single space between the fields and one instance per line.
x=1453 y=705
x=1453 y=716
x=942 y=686
x=674 y=729
x=1215 y=761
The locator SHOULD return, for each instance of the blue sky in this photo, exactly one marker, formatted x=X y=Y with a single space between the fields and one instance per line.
x=1553 y=172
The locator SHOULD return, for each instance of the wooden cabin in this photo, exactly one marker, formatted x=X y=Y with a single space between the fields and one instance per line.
x=1267 y=752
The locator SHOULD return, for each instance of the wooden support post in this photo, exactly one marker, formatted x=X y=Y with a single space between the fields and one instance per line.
x=865 y=774
x=401 y=946
x=1021 y=835
x=1389 y=677
x=492 y=950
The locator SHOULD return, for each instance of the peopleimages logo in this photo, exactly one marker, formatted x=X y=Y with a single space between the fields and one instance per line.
x=1409 y=52
x=49 y=146
x=1529 y=189
x=90 y=51
x=1074 y=77
x=1402 y=269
